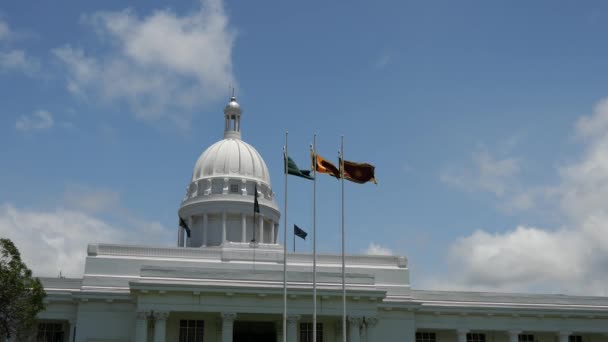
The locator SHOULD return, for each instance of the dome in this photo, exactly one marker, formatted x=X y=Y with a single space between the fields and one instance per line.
x=233 y=107
x=232 y=158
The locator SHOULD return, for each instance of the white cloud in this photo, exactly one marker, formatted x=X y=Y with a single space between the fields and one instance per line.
x=39 y=120
x=91 y=200
x=568 y=259
x=375 y=249
x=5 y=31
x=56 y=240
x=488 y=174
x=17 y=60
x=382 y=61
x=163 y=66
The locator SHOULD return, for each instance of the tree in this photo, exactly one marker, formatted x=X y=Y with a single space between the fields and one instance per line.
x=21 y=295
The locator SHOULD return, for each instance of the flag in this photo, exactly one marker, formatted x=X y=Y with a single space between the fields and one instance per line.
x=299 y=232
x=256 y=205
x=183 y=224
x=323 y=166
x=359 y=172
x=292 y=169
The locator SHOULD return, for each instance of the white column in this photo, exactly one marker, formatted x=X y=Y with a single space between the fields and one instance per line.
x=228 y=326
x=279 y=327
x=243 y=228
x=363 y=331
x=339 y=331
x=180 y=236
x=272 y=232
x=370 y=322
x=292 y=328
x=462 y=335
x=514 y=335
x=71 y=324
x=160 y=326
x=223 y=227
x=354 y=327
x=205 y=229
x=261 y=229
x=564 y=336
x=141 y=327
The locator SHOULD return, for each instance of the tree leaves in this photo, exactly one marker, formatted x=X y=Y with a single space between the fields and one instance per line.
x=21 y=296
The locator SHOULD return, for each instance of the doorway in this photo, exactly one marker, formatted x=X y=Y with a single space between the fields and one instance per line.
x=254 y=332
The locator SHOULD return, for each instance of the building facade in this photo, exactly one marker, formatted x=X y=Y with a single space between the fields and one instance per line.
x=225 y=282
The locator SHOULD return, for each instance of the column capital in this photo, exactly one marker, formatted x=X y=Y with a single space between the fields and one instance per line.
x=161 y=315
x=228 y=316
x=564 y=333
x=371 y=321
x=355 y=319
x=292 y=319
x=514 y=332
x=461 y=331
x=143 y=314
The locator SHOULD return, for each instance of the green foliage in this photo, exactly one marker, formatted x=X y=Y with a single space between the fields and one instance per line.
x=21 y=296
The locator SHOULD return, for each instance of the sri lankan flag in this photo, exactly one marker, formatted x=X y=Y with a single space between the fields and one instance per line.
x=358 y=172
x=323 y=166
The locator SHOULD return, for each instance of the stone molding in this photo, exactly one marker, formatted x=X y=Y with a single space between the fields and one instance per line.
x=215 y=253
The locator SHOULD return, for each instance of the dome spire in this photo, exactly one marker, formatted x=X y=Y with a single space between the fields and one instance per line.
x=232 y=115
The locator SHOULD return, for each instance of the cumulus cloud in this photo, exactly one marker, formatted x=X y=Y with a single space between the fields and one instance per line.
x=376 y=249
x=488 y=174
x=39 y=120
x=15 y=59
x=163 y=66
x=5 y=31
x=569 y=259
x=55 y=240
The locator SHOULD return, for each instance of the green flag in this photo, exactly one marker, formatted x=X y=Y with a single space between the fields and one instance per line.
x=293 y=169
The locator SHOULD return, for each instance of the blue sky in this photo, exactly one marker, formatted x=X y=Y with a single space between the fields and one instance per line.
x=485 y=122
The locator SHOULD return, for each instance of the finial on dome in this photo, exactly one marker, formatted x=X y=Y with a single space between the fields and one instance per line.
x=232 y=114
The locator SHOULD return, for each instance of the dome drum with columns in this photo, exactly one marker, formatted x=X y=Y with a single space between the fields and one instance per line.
x=218 y=206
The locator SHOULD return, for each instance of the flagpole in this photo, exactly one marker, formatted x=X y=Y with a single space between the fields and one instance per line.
x=314 y=246
x=343 y=244
x=285 y=247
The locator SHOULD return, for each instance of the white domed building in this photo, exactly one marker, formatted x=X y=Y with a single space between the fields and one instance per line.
x=218 y=203
x=225 y=282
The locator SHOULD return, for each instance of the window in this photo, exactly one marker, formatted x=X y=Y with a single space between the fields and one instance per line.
x=575 y=338
x=306 y=332
x=50 y=332
x=234 y=188
x=425 y=337
x=191 y=330
x=476 y=337
x=526 y=338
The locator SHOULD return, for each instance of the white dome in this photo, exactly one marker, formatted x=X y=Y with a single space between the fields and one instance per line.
x=232 y=158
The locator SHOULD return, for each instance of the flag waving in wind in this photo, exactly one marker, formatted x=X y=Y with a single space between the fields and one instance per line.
x=299 y=232
x=256 y=205
x=323 y=166
x=358 y=172
x=183 y=224
x=292 y=169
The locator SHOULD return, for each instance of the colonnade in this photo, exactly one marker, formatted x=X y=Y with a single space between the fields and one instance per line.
x=160 y=326
x=359 y=328
x=183 y=241
x=563 y=336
